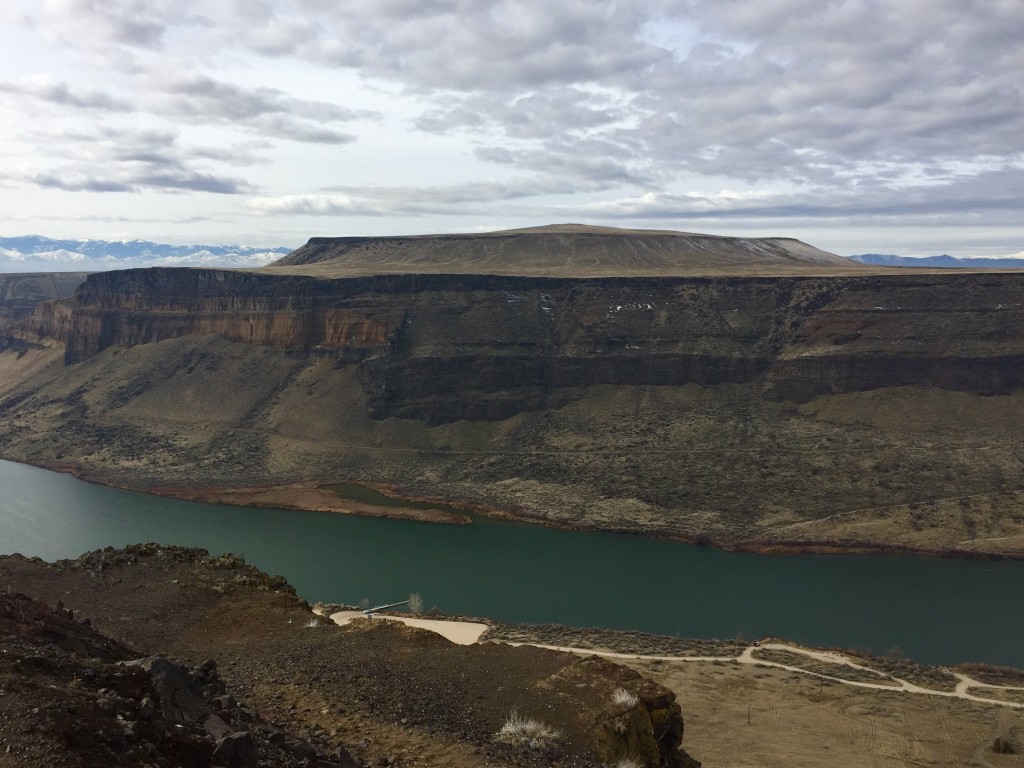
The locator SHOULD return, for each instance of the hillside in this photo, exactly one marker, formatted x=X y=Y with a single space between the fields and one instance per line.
x=558 y=251
x=267 y=682
x=754 y=411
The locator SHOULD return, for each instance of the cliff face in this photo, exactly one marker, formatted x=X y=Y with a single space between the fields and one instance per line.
x=20 y=293
x=298 y=315
x=441 y=347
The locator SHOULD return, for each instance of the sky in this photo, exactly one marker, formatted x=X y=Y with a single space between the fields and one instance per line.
x=855 y=125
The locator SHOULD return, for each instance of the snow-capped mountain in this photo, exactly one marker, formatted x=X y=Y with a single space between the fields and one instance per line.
x=1011 y=261
x=43 y=254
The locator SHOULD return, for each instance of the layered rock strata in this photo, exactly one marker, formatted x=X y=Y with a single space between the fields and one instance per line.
x=441 y=347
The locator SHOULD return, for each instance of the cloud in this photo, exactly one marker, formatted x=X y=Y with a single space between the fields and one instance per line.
x=853 y=109
x=140 y=24
x=269 y=111
x=994 y=194
x=131 y=160
x=45 y=88
x=465 y=45
x=659 y=93
x=464 y=199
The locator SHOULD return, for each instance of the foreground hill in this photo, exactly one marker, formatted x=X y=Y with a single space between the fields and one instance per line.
x=559 y=251
x=297 y=691
x=808 y=411
x=290 y=688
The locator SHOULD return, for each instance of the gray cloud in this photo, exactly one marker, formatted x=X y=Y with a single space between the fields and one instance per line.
x=268 y=111
x=418 y=201
x=465 y=45
x=856 y=109
x=65 y=95
x=131 y=160
x=533 y=115
x=142 y=24
x=993 y=194
x=795 y=91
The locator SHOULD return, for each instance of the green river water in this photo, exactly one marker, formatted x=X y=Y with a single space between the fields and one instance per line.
x=934 y=610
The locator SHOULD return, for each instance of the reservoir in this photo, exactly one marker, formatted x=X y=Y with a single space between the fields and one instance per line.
x=933 y=610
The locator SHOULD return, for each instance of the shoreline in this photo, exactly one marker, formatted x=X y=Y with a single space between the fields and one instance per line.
x=312 y=498
x=268 y=496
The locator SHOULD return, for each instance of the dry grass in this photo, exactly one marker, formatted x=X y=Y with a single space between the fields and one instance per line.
x=527 y=733
x=625 y=699
x=615 y=640
x=801 y=661
x=994 y=674
x=794 y=722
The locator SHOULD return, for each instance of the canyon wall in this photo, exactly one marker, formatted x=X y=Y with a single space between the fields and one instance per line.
x=20 y=293
x=445 y=347
x=870 y=408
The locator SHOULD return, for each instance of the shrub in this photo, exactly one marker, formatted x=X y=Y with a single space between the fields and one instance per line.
x=519 y=731
x=415 y=603
x=623 y=698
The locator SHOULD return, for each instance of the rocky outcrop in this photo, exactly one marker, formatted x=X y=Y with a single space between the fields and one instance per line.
x=630 y=716
x=371 y=693
x=445 y=347
x=71 y=698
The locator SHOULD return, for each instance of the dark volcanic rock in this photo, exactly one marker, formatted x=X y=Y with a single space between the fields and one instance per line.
x=58 y=707
x=181 y=699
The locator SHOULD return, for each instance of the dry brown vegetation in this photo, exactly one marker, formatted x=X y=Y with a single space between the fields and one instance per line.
x=751 y=717
x=922 y=469
x=614 y=640
x=799 y=660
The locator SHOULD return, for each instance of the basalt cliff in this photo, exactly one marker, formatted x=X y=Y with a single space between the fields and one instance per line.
x=780 y=397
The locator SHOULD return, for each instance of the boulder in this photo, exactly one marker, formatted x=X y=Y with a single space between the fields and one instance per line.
x=181 y=699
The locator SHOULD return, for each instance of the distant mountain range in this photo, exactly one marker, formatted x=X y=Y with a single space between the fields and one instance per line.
x=43 y=254
x=1014 y=261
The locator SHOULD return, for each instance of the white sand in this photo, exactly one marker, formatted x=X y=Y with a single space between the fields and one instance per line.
x=459 y=632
